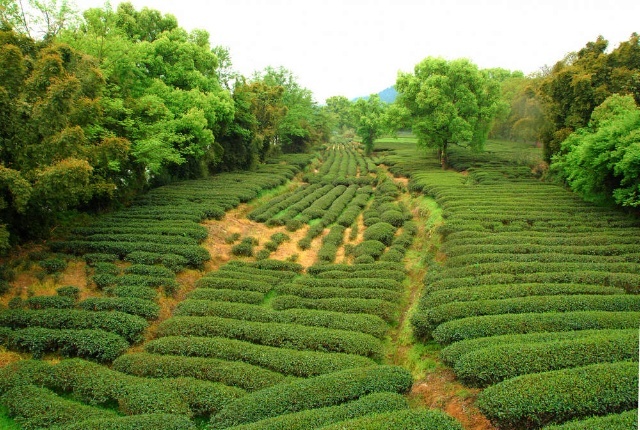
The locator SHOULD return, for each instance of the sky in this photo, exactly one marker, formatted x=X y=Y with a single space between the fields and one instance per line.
x=357 y=47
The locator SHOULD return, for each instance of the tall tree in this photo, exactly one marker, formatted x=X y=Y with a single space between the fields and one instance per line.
x=602 y=161
x=450 y=102
x=369 y=120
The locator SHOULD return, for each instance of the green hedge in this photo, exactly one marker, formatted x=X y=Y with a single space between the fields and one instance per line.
x=433 y=317
x=624 y=421
x=386 y=310
x=134 y=291
x=282 y=360
x=275 y=334
x=363 y=274
x=452 y=353
x=234 y=284
x=320 y=391
x=491 y=292
x=330 y=292
x=316 y=418
x=130 y=305
x=99 y=385
x=373 y=283
x=321 y=268
x=226 y=295
x=381 y=231
x=46 y=302
x=128 y=326
x=136 y=422
x=535 y=400
x=92 y=344
x=494 y=364
x=403 y=419
x=237 y=374
x=495 y=325
x=360 y=322
x=34 y=408
x=374 y=248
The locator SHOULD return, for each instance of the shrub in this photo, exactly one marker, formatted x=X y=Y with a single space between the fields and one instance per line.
x=282 y=360
x=393 y=217
x=532 y=401
x=560 y=303
x=623 y=421
x=490 y=292
x=128 y=326
x=392 y=255
x=275 y=334
x=69 y=291
x=53 y=265
x=92 y=258
x=320 y=417
x=234 y=284
x=245 y=247
x=364 y=259
x=493 y=325
x=238 y=374
x=452 y=353
x=491 y=365
x=374 y=248
x=402 y=419
x=136 y=422
x=145 y=308
x=46 y=302
x=330 y=292
x=33 y=407
x=135 y=291
x=226 y=295
x=385 y=310
x=362 y=272
x=320 y=391
x=92 y=344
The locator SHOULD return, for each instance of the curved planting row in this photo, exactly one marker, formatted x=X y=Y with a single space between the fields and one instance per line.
x=538 y=290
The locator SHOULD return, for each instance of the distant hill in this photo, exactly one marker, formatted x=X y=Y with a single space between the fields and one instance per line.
x=388 y=95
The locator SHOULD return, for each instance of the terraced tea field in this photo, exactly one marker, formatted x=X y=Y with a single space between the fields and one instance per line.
x=322 y=292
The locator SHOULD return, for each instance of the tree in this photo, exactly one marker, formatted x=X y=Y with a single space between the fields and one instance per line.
x=602 y=161
x=341 y=112
x=369 y=120
x=450 y=102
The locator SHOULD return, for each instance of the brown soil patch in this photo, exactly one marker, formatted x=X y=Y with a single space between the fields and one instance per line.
x=441 y=390
x=8 y=357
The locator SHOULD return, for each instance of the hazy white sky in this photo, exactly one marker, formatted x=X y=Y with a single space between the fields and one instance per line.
x=357 y=47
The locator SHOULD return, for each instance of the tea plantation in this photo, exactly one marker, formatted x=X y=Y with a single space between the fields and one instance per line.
x=530 y=296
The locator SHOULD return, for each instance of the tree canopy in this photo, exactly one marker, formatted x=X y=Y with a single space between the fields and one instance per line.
x=450 y=102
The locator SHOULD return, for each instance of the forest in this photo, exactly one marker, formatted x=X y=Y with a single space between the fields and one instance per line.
x=185 y=247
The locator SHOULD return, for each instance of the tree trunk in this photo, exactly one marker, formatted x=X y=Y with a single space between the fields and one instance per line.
x=444 y=157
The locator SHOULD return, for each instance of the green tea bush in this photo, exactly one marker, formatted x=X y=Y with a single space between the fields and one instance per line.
x=373 y=248
x=92 y=258
x=393 y=217
x=331 y=292
x=282 y=360
x=494 y=325
x=393 y=255
x=174 y=262
x=136 y=422
x=234 y=284
x=320 y=417
x=317 y=269
x=128 y=326
x=46 y=302
x=622 y=421
x=560 y=303
x=493 y=292
x=69 y=291
x=379 y=283
x=320 y=391
x=535 y=400
x=381 y=231
x=226 y=295
x=385 y=310
x=275 y=334
x=402 y=419
x=494 y=364
x=34 y=407
x=53 y=265
x=245 y=247
x=147 y=309
x=452 y=353
x=231 y=373
x=97 y=345
x=134 y=291
x=362 y=272
x=364 y=259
